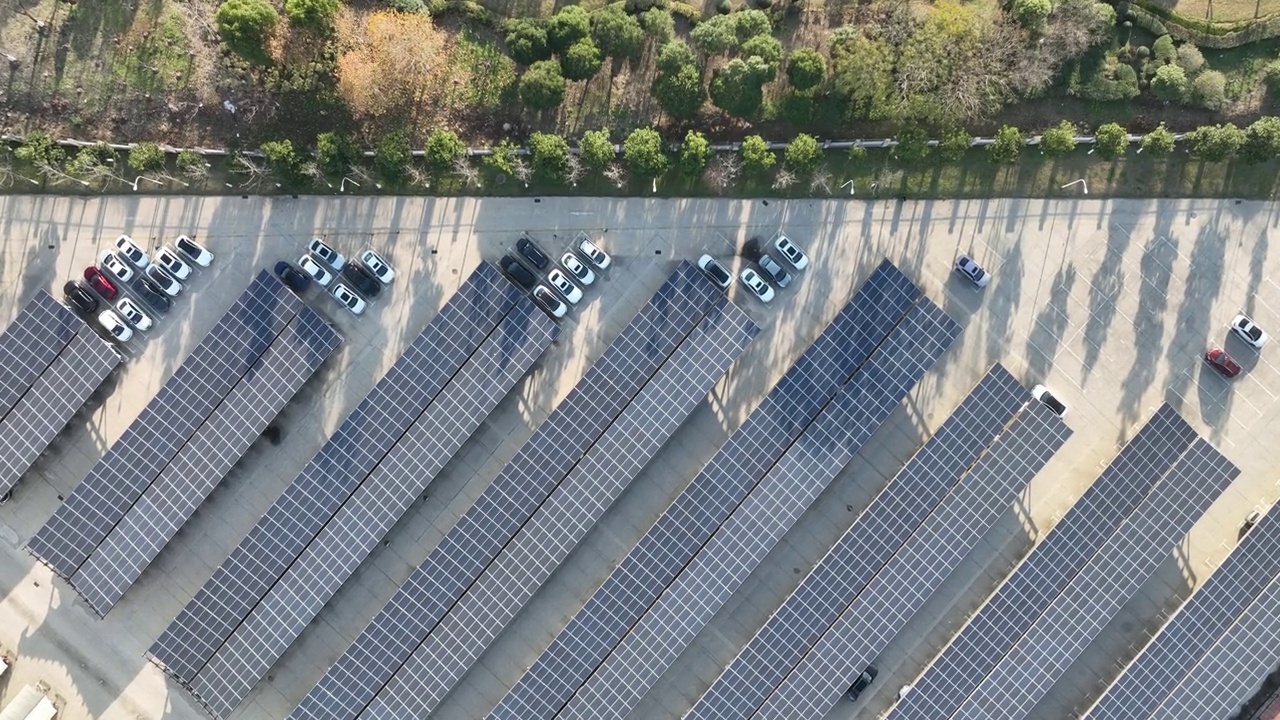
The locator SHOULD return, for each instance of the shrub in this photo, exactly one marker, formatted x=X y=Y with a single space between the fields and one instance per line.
x=443 y=149
x=581 y=61
x=1143 y=52
x=1159 y=141
x=954 y=144
x=542 y=85
x=1215 y=143
x=695 y=152
x=680 y=93
x=737 y=89
x=93 y=161
x=527 y=41
x=245 y=26
x=283 y=160
x=768 y=50
x=1209 y=90
x=1271 y=77
x=658 y=24
x=597 y=149
x=644 y=153
x=794 y=108
x=146 y=157
x=1059 y=140
x=407 y=6
x=674 y=55
x=756 y=155
x=714 y=36
x=617 y=34
x=1190 y=58
x=39 y=150
x=806 y=69
x=1170 y=83
x=1261 y=141
x=315 y=15
x=804 y=154
x=1112 y=141
x=190 y=162
x=336 y=153
x=392 y=155
x=550 y=155
x=1164 y=50
x=502 y=157
x=751 y=23
x=913 y=145
x=567 y=27
x=857 y=154
x=1008 y=145
x=1032 y=13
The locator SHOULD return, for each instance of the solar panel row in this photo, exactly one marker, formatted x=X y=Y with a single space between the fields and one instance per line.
x=751 y=531
x=437 y=664
x=333 y=474
x=41 y=330
x=368 y=515
x=864 y=548
x=704 y=504
x=209 y=455
x=180 y=407
x=604 y=391
x=1048 y=568
x=1166 y=660
x=1110 y=578
x=867 y=625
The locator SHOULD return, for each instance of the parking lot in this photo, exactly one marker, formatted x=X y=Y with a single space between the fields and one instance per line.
x=1110 y=303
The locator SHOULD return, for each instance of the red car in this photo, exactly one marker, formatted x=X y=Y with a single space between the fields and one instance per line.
x=1219 y=360
x=100 y=283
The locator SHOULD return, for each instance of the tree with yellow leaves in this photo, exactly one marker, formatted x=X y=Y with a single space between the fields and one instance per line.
x=395 y=64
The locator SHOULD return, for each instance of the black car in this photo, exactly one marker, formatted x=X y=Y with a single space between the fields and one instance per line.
x=152 y=295
x=533 y=253
x=292 y=279
x=362 y=279
x=517 y=272
x=79 y=297
x=862 y=682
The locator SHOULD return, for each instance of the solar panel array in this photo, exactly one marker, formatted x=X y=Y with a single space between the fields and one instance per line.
x=1115 y=572
x=333 y=474
x=187 y=398
x=37 y=418
x=704 y=504
x=368 y=515
x=1184 y=640
x=446 y=653
x=868 y=624
x=1047 y=570
x=41 y=330
x=604 y=391
x=751 y=531
x=209 y=455
x=864 y=548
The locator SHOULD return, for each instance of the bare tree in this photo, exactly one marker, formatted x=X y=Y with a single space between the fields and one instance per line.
x=312 y=170
x=723 y=171
x=616 y=174
x=785 y=178
x=573 y=170
x=821 y=180
x=522 y=171
x=419 y=176
x=255 y=174
x=467 y=170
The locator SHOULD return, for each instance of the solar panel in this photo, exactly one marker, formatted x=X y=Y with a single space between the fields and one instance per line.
x=1180 y=644
x=559 y=442
x=330 y=477
x=42 y=413
x=367 y=516
x=41 y=330
x=736 y=467
x=864 y=548
x=867 y=625
x=113 y=485
x=752 y=530
x=209 y=455
x=522 y=567
x=1047 y=570
x=1094 y=595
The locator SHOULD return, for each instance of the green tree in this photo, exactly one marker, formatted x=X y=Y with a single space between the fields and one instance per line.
x=658 y=24
x=1261 y=141
x=392 y=155
x=644 y=153
x=695 y=153
x=715 y=35
x=768 y=50
x=750 y=23
x=679 y=93
x=806 y=69
x=245 y=26
x=1112 y=141
x=617 y=34
x=502 y=157
x=284 y=160
x=794 y=108
x=1215 y=143
x=675 y=55
x=737 y=89
x=443 y=149
x=314 y=15
x=756 y=155
x=94 y=162
x=1209 y=90
x=1170 y=83
x=550 y=155
x=913 y=145
x=1059 y=140
x=567 y=27
x=597 y=149
x=191 y=163
x=336 y=152
x=954 y=144
x=862 y=73
x=1271 y=78
x=39 y=150
x=803 y=154
x=542 y=85
x=1008 y=145
x=1032 y=13
x=1190 y=58
x=1158 y=142
x=527 y=41
x=581 y=61
x=1163 y=50
x=146 y=157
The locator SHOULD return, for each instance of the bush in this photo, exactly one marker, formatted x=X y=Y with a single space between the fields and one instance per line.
x=336 y=153
x=502 y=157
x=597 y=149
x=617 y=34
x=954 y=144
x=443 y=149
x=857 y=154
x=804 y=155
x=912 y=147
x=1215 y=143
x=315 y=15
x=1059 y=140
x=756 y=155
x=245 y=26
x=806 y=69
x=674 y=55
x=567 y=27
x=392 y=155
x=1110 y=84
x=1032 y=13
x=92 y=160
x=1271 y=77
x=1261 y=141
x=1112 y=141
x=190 y=162
x=644 y=153
x=1159 y=141
x=1164 y=50
x=1008 y=145
x=550 y=155
x=1209 y=90
x=527 y=41
x=1190 y=58
x=146 y=157
x=794 y=108
x=39 y=150
x=752 y=23
x=695 y=153
x=542 y=85
x=407 y=6
x=1170 y=83
x=283 y=160
x=714 y=36
x=581 y=61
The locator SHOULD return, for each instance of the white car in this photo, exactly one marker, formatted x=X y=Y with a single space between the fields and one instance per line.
x=592 y=252
x=715 y=271
x=349 y=299
x=561 y=282
x=973 y=271
x=194 y=250
x=112 y=323
x=791 y=252
x=163 y=280
x=112 y=263
x=1050 y=401
x=327 y=254
x=130 y=311
x=311 y=267
x=577 y=269
x=1249 y=332
x=756 y=284
x=379 y=266
x=169 y=260
x=131 y=252
x=548 y=301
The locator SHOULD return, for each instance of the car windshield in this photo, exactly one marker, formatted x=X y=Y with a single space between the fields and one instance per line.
x=718 y=272
x=1053 y=403
x=1254 y=332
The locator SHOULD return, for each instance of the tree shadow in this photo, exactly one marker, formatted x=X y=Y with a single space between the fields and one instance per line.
x=1148 y=332
x=1107 y=285
x=1051 y=322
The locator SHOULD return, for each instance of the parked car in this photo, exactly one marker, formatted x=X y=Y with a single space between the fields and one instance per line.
x=973 y=271
x=100 y=284
x=163 y=280
x=118 y=268
x=79 y=298
x=327 y=254
x=1049 y=400
x=577 y=269
x=517 y=272
x=349 y=299
x=152 y=295
x=379 y=266
x=363 y=280
x=1249 y=331
x=774 y=271
x=130 y=311
x=715 y=271
x=592 y=252
x=862 y=682
x=315 y=270
x=792 y=252
x=548 y=301
x=131 y=252
x=530 y=250
x=291 y=278
x=172 y=264
x=756 y=284
x=561 y=282
x=194 y=250
x=114 y=325
x=1219 y=360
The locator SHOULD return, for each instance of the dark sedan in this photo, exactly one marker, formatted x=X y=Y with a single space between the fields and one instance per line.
x=79 y=298
x=362 y=279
